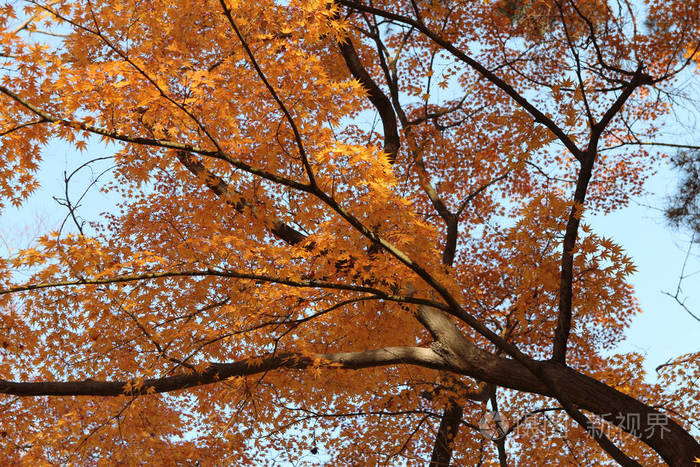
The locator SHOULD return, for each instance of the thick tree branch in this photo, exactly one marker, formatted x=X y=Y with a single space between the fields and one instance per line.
x=673 y=443
x=392 y=141
x=574 y=390
x=217 y=372
x=561 y=334
x=277 y=227
x=501 y=439
x=447 y=432
x=489 y=75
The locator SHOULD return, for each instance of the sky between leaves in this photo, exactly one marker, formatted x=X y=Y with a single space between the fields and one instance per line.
x=101 y=75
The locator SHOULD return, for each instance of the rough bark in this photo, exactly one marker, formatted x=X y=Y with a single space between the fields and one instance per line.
x=449 y=427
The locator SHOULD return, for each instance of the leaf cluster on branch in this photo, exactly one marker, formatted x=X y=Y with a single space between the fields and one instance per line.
x=348 y=229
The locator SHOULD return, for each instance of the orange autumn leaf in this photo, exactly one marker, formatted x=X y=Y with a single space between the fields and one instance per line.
x=347 y=232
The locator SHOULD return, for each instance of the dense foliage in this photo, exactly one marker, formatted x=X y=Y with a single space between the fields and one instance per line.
x=348 y=231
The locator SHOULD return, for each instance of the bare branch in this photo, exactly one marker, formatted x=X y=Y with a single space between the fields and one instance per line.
x=676 y=295
x=225 y=274
x=154 y=142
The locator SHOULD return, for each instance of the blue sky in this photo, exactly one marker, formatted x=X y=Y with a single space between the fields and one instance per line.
x=663 y=330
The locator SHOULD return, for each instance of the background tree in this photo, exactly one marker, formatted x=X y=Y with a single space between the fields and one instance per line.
x=684 y=207
x=278 y=267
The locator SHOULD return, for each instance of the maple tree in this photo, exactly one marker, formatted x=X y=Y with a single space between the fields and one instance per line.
x=346 y=227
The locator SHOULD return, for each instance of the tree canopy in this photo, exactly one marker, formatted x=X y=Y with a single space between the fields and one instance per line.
x=350 y=231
